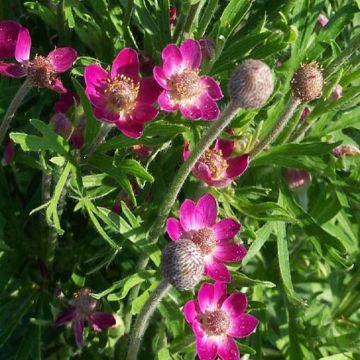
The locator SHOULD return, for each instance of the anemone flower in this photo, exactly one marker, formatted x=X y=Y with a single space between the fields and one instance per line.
x=82 y=308
x=216 y=167
x=198 y=223
x=183 y=88
x=41 y=71
x=217 y=319
x=119 y=96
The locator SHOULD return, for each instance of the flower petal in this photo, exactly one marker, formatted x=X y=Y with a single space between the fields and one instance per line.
x=212 y=87
x=237 y=166
x=190 y=111
x=229 y=252
x=57 y=86
x=100 y=321
x=226 y=229
x=209 y=109
x=217 y=271
x=206 y=211
x=226 y=147
x=187 y=215
x=9 y=32
x=172 y=58
x=149 y=91
x=160 y=77
x=206 y=297
x=235 y=304
x=166 y=103
x=191 y=310
x=206 y=348
x=202 y=171
x=174 y=229
x=130 y=128
x=62 y=58
x=144 y=113
x=126 y=63
x=95 y=80
x=12 y=70
x=191 y=54
x=23 y=46
x=243 y=325
x=103 y=115
x=227 y=349
x=67 y=316
x=78 y=331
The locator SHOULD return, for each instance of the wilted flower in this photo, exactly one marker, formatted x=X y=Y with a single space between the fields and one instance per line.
x=297 y=179
x=323 y=20
x=345 y=150
x=216 y=319
x=41 y=71
x=184 y=89
x=9 y=152
x=198 y=223
x=337 y=92
x=207 y=47
x=83 y=308
x=216 y=167
x=119 y=96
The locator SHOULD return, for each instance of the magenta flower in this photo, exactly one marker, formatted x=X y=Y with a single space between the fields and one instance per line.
x=195 y=96
x=323 y=20
x=216 y=167
x=217 y=319
x=81 y=309
x=198 y=223
x=119 y=96
x=41 y=71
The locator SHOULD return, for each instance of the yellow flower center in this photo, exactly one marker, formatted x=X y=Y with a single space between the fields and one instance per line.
x=215 y=162
x=121 y=93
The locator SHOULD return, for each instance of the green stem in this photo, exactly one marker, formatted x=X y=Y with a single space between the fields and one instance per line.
x=100 y=137
x=14 y=105
x=214 y=131
x=291 y=106
x=143 y=318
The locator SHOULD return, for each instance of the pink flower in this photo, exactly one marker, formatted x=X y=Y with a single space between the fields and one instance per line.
x=337 y=92
x=323 y=20
x=41 y=71
x=297 y=179
x=216 y=167
x=195 y=96
x=217 y=319
x=9 y=152
x=81 y=309
x=119 y=96
x=198 y=223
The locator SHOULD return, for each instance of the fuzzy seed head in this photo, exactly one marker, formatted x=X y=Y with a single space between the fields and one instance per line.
x=308 y=82
x=251 y=84
x=40 y=72
x=182 y=264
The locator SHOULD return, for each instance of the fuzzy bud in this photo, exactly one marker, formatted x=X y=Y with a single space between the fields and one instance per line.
x=345 y=150
x=308 y=82
x=336 y=94
x=297 y=179
x=182 y=264
x=207 y=47
x=251 y=84
x=61 y=124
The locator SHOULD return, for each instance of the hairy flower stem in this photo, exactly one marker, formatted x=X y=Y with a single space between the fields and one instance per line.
x=100 y=137
x=292 y=104
x=143 y=318
x=14 y=105
x=214 y=131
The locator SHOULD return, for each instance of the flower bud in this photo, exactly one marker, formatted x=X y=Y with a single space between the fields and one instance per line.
x=61 y=125
x=207 y=47
x=251 y=84
x=307 y=82
x=322 y=20
x=345 y=150
x=297 y=179
x=182 y=264
x=9 y=152
x=336 y=94
x=305 y=113
x=141 y=151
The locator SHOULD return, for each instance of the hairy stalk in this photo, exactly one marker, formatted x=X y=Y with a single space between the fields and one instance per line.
x=143 y=318
x=291 y=106
x=14 y=105
x=300 y=132
x=218 y=126
x=100 y=137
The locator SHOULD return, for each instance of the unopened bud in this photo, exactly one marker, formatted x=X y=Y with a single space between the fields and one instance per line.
x=345 y=150
x=323 y=20
x=251 y=84
x=207 y=47
x=297 y=179
x=61 y=125
x=182 y=264
x=308 y=82
x=337 y=92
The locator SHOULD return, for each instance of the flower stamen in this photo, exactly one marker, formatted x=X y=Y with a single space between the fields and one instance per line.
x=185 y=86
x=204 y=238
x=215 y=323
x=216 y=163
x=40 y=72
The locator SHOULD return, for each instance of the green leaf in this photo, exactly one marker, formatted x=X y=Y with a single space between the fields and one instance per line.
x=241 y=280
x=133 y=167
